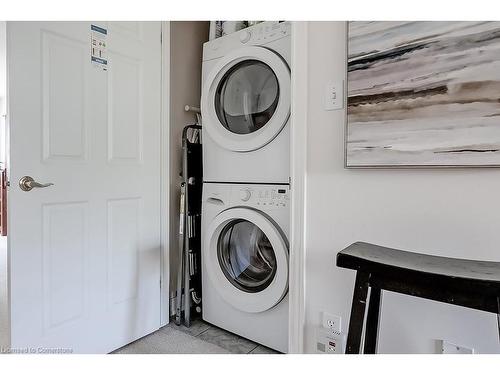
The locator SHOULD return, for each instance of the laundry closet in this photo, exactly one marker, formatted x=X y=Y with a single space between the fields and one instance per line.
x=245 y=99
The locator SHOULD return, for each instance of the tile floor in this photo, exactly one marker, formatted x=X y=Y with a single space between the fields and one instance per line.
x=200 y=338
x=3 y=293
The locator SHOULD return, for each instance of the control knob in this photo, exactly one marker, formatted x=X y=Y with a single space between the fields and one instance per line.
x=245 y=194
x=245 y=36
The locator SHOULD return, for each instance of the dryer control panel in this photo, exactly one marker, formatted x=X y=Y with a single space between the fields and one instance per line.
x=264 y=32
x=262 y=196
x=260 y=34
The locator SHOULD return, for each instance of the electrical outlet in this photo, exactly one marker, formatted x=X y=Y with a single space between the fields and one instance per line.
x=449 y=348
x=329 y=343
x=332 y=322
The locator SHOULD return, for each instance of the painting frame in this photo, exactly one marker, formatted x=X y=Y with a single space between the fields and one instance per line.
x=347 y=165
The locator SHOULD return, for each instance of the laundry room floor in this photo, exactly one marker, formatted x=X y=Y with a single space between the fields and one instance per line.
x=3 y=293
x=200 y=338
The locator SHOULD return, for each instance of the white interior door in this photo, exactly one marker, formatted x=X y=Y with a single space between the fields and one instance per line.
x=84 y=254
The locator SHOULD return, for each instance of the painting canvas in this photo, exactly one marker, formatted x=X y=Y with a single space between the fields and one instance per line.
x=423 y=94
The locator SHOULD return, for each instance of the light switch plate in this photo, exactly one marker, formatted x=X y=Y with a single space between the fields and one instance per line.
x=334 y=95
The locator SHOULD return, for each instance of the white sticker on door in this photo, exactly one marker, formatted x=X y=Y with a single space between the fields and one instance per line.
x=98 y=47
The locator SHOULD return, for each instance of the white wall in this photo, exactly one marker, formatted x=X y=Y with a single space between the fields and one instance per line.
x=186 y=46
x=3 y=68
x=448 y=212
x=3 y=87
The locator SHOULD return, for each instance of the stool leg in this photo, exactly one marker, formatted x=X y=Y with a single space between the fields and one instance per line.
x=372 y=321
x=498 y=317
x=357 y=313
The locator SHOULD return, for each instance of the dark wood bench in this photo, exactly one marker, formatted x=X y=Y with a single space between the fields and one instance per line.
x=469 y=283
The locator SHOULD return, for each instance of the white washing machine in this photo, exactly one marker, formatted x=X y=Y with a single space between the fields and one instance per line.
x=245 y=260
x=245 y=105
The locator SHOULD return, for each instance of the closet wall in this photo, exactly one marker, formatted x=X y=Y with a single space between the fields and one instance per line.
x=186 y=47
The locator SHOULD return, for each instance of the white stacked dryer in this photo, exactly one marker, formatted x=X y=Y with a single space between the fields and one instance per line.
x=246 y=162
x=245 y=105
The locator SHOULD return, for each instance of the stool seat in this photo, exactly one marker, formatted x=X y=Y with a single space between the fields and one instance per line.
x=463 y=282
x=369 y=257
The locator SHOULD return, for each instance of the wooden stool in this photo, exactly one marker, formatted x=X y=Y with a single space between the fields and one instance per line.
x=469 y=283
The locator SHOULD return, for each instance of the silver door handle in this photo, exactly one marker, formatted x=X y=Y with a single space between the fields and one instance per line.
x=27 y=183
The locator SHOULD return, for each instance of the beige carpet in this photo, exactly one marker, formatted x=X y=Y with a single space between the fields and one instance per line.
x=3 y=293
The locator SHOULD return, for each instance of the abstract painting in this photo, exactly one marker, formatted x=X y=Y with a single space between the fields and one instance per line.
x=423 y=94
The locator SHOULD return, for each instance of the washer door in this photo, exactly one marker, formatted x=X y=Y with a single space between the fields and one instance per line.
x=247 y=259
x=246 y=99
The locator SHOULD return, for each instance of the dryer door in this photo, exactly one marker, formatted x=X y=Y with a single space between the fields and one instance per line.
x=247 y=259
x=246 y=99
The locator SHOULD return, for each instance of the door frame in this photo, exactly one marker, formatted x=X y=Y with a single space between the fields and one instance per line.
x=165 y=174
x=298 y=174
x=298 y=185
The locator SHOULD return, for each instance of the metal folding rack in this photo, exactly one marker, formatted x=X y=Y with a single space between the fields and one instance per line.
x=188 y=296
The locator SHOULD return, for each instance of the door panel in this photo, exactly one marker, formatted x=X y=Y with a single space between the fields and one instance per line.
x=84 y=253
x=64 y=79
x=123 y=245
x=128 y=29
x=125 y=115
x=65 y=265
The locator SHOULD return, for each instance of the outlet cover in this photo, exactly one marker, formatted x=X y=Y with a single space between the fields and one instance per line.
x=331 y=322
x=328 y=342
x=450 y=348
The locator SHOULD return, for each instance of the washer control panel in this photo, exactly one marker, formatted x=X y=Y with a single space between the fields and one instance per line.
x=264 y=196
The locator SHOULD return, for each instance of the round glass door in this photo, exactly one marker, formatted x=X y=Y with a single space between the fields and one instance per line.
x=246 y=256
x=246 y=259
x=247 y=97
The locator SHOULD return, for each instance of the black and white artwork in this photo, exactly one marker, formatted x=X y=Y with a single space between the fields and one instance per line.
x=423 y=94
